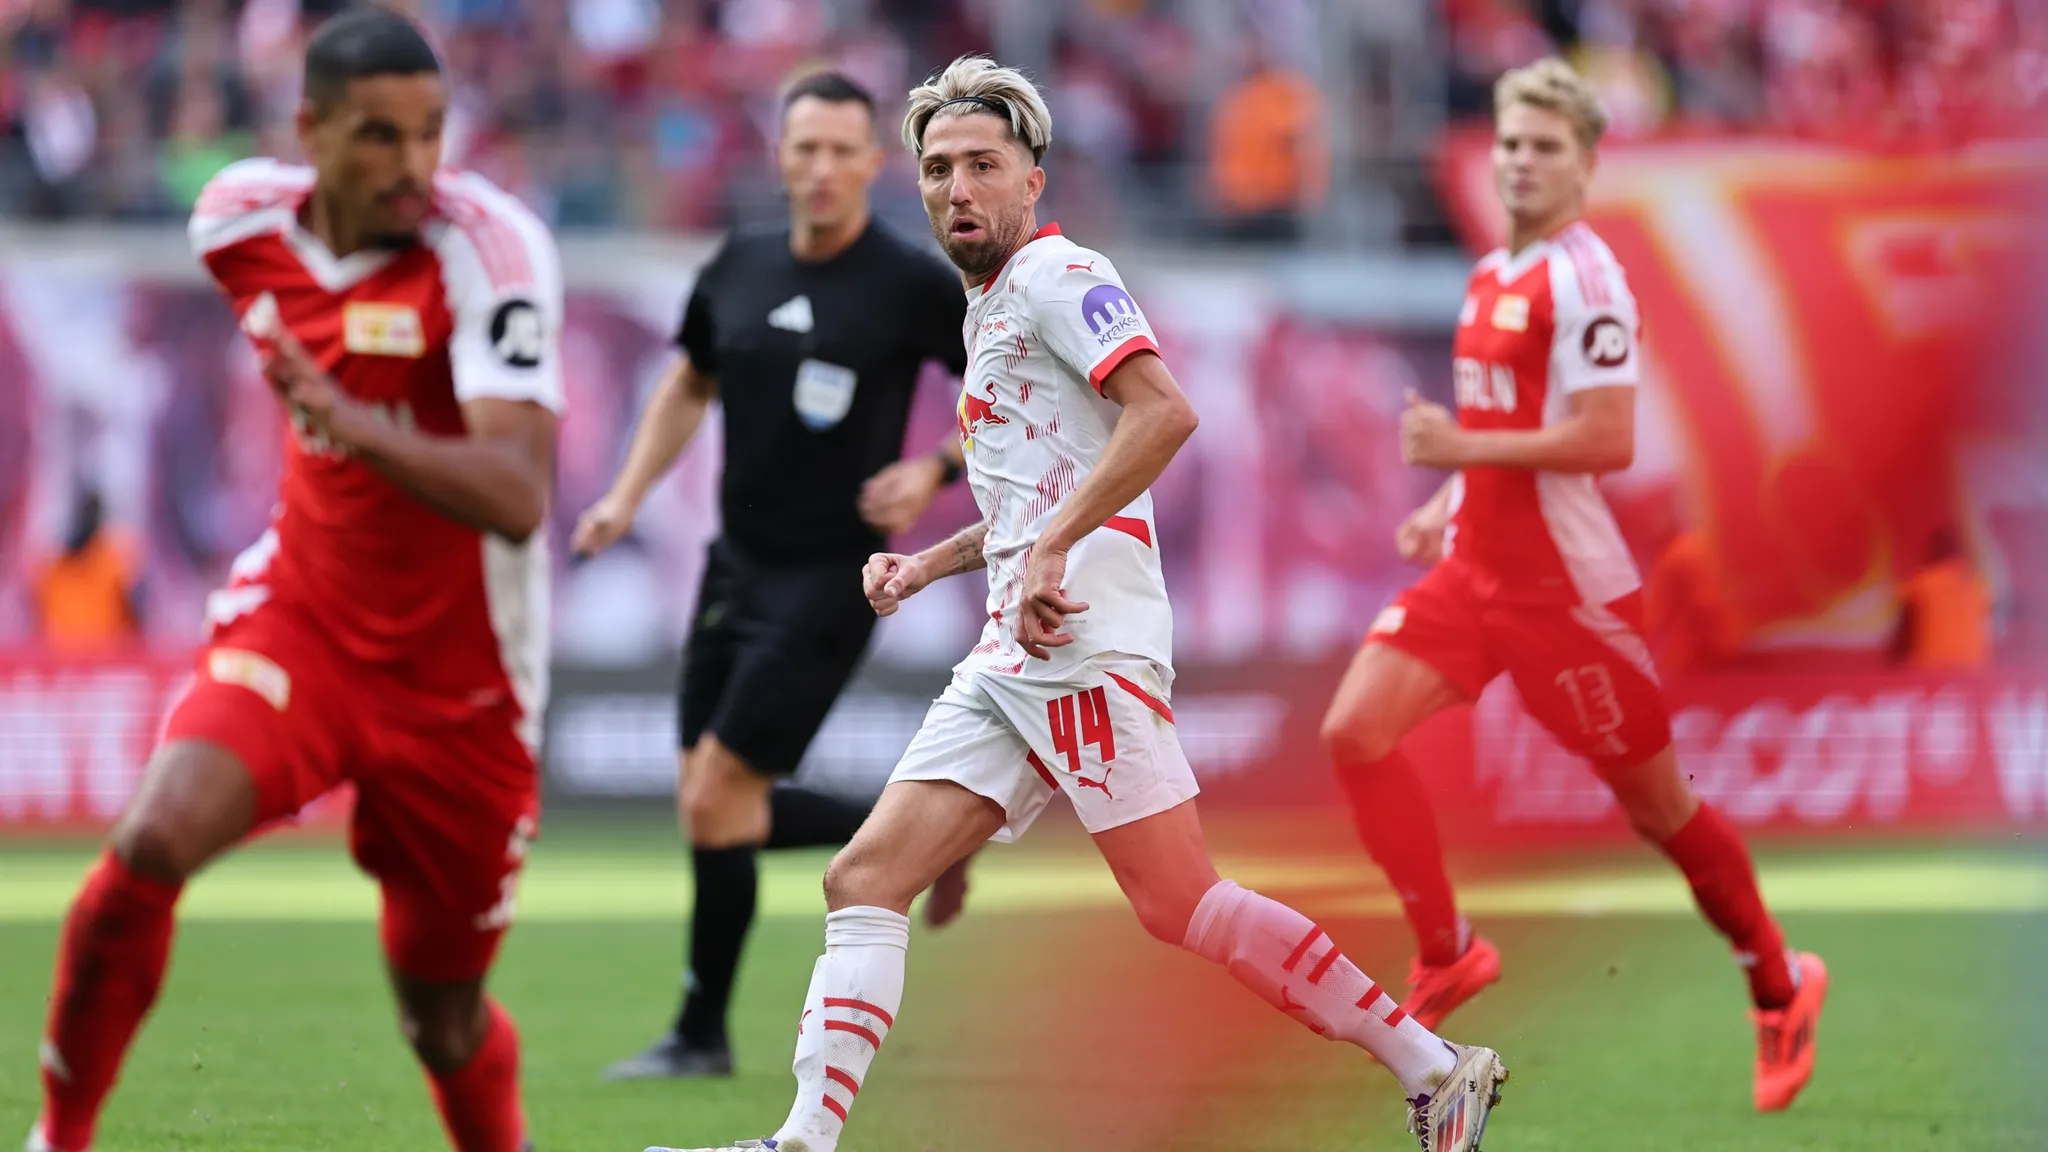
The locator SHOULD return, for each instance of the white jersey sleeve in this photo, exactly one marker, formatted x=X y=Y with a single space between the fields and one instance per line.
x=1594 y=342
x=244 y=199
x=503 y=278
x=1085 y=316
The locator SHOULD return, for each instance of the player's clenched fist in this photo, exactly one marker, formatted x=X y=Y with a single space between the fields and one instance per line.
x=604 y=524
x=890 y=579
x=1420 y=538
x=1430 y=437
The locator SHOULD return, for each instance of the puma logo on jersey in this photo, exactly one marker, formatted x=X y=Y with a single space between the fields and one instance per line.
x=371 y=328
x=1088 y=267
x=1511 y=313
x=793 y=316
x=1099 y=785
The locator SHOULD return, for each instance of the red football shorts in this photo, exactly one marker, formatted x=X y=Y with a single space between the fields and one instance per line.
x=1583 y=670
x=444 y=808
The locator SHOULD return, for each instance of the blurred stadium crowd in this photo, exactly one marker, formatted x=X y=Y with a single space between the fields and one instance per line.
x=1197 y=118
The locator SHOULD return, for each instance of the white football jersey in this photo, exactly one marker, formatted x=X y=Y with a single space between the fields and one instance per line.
x=1042 y=335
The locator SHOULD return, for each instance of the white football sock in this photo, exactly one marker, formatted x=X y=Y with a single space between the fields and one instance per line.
x=856 y=987
x=1294 y=966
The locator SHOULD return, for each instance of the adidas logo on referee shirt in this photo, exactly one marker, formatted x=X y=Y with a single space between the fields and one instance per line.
x=792 y=316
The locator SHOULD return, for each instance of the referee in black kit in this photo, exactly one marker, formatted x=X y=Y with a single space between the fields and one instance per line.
x=812 y=336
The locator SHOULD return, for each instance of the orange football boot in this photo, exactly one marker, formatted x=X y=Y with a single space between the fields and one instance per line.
x=1434 y=993
x=1785 y=1038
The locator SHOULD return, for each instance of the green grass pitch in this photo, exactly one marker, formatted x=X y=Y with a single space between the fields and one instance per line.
x=1046 y=1021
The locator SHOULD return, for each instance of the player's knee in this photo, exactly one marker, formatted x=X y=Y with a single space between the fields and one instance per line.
x=716 y=816
x=195 y=801
x=1164 y=916
x=443 y=1032
x=1355 y=738
x=1657 y=815
x=723 y=802
x=856 y=879
x=159 y=841
x=845 y=881
x=1654 y=796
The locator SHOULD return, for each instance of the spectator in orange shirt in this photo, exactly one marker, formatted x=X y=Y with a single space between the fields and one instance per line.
x=1690 y=619
x=86 y=598
x=1944 y=611
x=1269 y=157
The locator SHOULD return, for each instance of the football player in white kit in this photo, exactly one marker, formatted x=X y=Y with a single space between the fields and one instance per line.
x=1069 y=414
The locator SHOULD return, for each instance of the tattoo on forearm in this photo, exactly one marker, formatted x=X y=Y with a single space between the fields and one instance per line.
x=963 y=550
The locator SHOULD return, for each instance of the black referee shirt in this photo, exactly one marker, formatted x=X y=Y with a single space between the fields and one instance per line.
x=816 y=364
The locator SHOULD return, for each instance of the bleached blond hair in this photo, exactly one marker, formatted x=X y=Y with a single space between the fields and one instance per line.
x=1552 y=85
x=993 y=90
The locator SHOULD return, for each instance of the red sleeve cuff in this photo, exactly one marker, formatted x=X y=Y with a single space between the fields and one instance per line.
x=1123 y=352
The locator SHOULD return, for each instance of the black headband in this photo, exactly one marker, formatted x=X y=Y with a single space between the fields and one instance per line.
x=994 y=106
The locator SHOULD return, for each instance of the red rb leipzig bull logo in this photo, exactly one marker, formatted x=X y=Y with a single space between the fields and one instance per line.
x=975 y=411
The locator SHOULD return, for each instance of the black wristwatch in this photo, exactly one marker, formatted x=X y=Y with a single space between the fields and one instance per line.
x=949 y=469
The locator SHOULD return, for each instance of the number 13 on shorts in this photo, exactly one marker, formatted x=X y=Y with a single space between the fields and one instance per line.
x=1593 y=699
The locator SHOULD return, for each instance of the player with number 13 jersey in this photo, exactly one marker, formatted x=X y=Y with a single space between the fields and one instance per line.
x=1530 y=579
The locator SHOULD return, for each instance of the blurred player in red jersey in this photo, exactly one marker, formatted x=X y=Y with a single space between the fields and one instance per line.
x=1532 y=578
x=390 y=629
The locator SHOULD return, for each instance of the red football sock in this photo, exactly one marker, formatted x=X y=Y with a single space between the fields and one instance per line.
x=1398 y=825
x=110 y=964
x=479 y=1101
x=1710 y=852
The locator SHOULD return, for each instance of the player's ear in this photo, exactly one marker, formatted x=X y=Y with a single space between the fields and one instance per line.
x=1034 y=184
x=307 y=121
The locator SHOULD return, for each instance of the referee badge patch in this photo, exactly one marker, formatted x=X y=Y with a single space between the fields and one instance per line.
x=824 y=393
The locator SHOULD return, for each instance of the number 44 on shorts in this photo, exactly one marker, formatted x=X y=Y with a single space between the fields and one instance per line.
x=1078 y=720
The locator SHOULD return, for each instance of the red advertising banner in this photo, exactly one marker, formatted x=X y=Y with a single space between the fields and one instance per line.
x=1787 y=754
x=1831 y=330
x=75 y=734
x=1817 y=754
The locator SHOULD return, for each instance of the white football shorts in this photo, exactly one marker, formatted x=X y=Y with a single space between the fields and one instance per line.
x=1102 y=733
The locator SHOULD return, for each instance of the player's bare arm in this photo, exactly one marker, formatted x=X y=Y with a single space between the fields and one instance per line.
x=1156 y=420
x=1598 y=436
x=673 y=414
x=495 y=479
x=890 y=578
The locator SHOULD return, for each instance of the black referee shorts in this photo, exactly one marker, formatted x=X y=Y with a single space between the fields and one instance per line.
x=773 y=646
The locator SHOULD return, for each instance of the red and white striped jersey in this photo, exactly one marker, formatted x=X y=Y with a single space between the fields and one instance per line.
x=470 y=312
x=1554 y=319
x=1042 y=336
